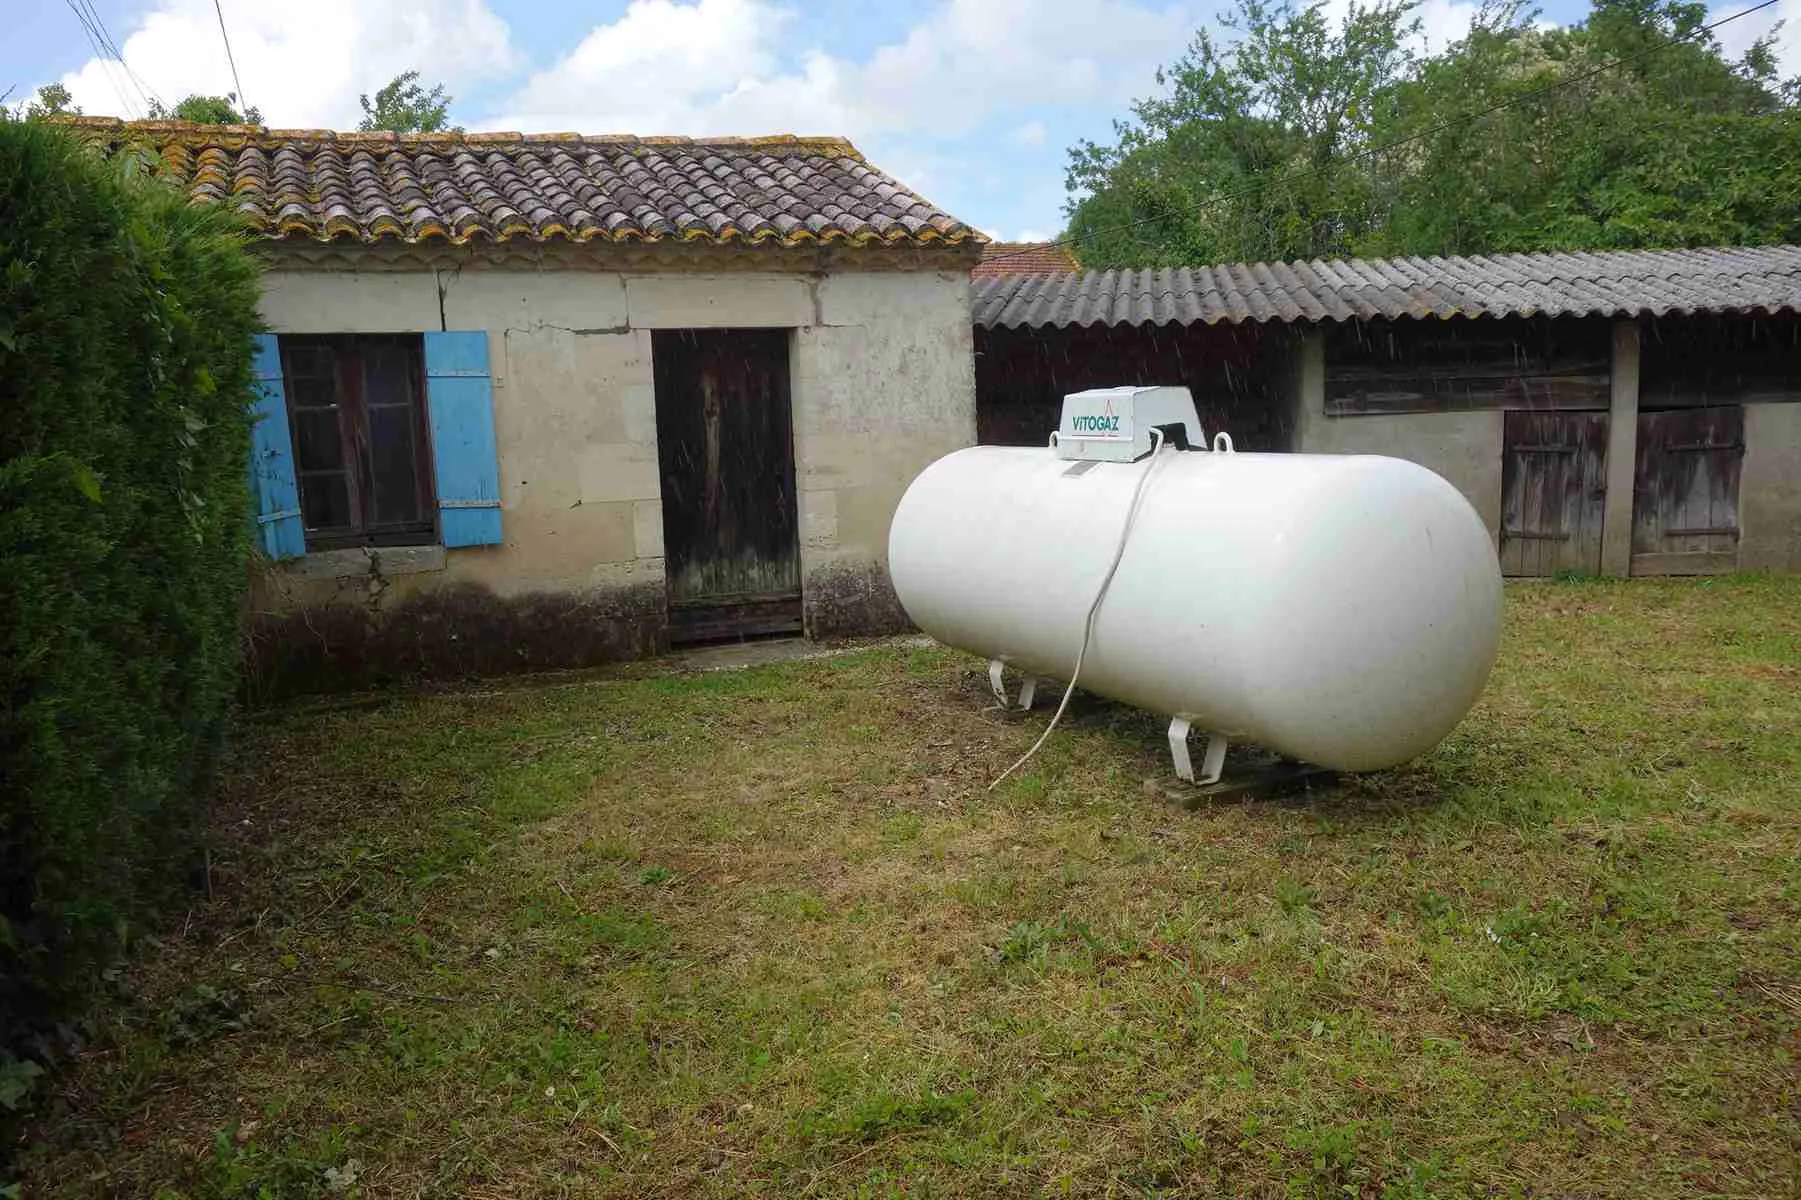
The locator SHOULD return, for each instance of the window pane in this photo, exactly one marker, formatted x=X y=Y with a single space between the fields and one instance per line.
x=355 y=406
x=392 y=465
x=317 y=444
x=309 y=392
x=324 y=501
x=311 y=361
x=387 y=374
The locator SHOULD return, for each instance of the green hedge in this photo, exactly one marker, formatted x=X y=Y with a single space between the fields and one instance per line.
x=125 y=335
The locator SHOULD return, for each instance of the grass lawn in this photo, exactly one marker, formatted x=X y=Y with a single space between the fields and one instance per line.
x=660 y=934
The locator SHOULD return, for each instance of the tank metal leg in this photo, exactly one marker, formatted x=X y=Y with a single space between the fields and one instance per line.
x=1215 y=760
x=997 y=683
x=1212 y=762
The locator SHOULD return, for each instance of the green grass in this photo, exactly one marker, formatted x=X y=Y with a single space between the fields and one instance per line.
x=766 y=933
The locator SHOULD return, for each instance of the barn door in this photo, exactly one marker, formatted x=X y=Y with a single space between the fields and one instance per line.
x=726 y=451
x=1685 y=491
x=1553 y=491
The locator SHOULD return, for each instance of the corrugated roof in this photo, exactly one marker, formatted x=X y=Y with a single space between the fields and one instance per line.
x=1606 y=283
x=314 y=184
x=1025 y=258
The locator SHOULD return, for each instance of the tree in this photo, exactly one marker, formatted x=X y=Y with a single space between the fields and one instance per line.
x=207 y=110
x=53 y=100
x=1288 y=97
x=405 y=107
x=1673 y=146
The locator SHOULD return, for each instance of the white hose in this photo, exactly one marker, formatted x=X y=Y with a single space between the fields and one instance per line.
x=1094 y=609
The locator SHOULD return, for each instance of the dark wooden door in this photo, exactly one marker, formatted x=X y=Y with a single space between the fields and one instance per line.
x=1553 y=492
x=1685 y=491
x=725 y=446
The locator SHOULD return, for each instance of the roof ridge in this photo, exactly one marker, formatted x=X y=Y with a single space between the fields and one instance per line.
x=455 y=188
x=194 y=131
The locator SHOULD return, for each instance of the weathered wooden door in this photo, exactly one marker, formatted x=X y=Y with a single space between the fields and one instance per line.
x=1553 y=492
x=1685 y=491
x=726 y=450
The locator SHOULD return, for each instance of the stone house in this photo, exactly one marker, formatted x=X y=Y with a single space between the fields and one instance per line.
x=540 y=401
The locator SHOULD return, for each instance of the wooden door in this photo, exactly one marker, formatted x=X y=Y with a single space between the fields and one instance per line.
x=725 y=447
x=1685 y=491
x=1553 y=492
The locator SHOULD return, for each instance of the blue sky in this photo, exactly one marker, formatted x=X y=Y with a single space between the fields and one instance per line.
x=974 y=103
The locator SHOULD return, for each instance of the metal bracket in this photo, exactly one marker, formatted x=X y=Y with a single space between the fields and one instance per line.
x=997 y=683
x=1212 y=762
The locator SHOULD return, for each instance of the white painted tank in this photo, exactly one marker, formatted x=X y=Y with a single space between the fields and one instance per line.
x=1340 y=609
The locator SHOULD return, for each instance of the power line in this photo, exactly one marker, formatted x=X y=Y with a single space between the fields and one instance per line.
x=102 y=39
x=145 y=92
x=243 y=104
x=101 y=57
x=1429 y=131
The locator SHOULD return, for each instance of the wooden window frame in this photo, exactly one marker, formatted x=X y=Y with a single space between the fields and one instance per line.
x=357 y=471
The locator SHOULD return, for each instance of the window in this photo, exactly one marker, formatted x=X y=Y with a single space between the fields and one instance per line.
x=362 y=456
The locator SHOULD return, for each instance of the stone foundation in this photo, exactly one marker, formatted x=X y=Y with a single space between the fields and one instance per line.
x=447 y=633
x=356 y=635
x=849 y=599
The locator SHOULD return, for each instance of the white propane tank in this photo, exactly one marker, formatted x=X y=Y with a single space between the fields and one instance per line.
x=1343 y=610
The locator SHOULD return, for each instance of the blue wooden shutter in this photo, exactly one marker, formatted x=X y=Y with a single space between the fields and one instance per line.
x=460 y=397
x=272 y=484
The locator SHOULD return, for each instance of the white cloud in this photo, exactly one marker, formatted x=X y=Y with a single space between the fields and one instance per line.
x=1031 y=235
x=706 y=67
x=721 y=67
x=1032 y=133
x=1737 y=37
x=712 y=67
x=1443 y=22
x=302 y=65
x=657 y=69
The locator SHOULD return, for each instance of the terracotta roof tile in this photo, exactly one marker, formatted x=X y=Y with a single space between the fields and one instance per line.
x=314 y=184
x=1025 y=258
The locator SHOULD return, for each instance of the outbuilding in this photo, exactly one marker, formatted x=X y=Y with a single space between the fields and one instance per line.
x=536 y=401
x=1631 y=412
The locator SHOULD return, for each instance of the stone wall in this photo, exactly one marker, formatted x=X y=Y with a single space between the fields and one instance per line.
x=882 y=384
